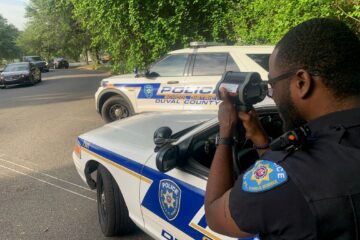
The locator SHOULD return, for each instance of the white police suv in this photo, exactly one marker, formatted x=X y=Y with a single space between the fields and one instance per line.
x=183 y=80
x=151 y=170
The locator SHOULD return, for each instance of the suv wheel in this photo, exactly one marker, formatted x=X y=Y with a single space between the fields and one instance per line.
x=115 y=108
x=113 y=214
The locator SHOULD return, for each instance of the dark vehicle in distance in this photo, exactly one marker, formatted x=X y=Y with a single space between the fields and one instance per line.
x=37 y=61
x=20 y=73
x=57 y=63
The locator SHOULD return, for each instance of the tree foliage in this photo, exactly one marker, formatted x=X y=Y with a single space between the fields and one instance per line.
x=8 y=35
x=52 y=31
x=266 y=21
x=139 y=31
x=136 y=31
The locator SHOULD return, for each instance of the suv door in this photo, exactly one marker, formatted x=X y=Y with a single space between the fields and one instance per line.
x=161 y=84
x=205 y=72
x=173 y=204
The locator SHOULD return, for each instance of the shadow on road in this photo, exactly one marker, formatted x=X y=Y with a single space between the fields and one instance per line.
x=53 y=200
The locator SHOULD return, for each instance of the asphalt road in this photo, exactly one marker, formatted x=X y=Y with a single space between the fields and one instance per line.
x=41 y=194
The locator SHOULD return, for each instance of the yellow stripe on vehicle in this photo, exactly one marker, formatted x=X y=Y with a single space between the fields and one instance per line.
x=145 y=179
x=204 y=231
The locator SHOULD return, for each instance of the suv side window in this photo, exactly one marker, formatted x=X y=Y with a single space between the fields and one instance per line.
x=261 y=59
x=213 y=64
x=170 y=66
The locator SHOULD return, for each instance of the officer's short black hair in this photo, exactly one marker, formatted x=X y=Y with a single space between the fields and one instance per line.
x=324 y=47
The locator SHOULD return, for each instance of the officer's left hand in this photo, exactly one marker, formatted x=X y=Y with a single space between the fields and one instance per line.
x=227 y=115
x=253 y=129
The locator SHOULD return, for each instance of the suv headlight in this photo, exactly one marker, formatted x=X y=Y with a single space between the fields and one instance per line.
x=103 y=83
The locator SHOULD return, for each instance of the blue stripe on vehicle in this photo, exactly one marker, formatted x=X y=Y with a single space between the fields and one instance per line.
x=151 y=91
x=192 y=198
x=114 y=157
x=202 y=222
x=142 y=94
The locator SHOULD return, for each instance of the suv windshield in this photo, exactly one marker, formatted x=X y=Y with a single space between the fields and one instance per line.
x=16 y=68
x=33 y=59
x=185 y=131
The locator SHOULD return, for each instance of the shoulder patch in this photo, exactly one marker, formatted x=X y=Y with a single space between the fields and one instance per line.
x=263 y=176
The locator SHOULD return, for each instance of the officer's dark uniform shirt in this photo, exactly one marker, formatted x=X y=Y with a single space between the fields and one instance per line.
x=312 y=193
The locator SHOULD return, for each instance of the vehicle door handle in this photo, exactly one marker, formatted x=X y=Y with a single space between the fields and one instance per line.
x=173 y=82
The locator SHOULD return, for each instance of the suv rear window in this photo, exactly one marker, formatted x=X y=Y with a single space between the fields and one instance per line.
x=213 y=64
x=261 y=59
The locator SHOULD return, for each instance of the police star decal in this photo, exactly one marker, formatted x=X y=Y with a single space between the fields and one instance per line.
x=169 y=198
x=263 y=176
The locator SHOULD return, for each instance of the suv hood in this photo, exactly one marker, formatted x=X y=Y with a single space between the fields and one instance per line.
x=5 y=74
x=124 y=78
x=133 y=136
x=39 y=62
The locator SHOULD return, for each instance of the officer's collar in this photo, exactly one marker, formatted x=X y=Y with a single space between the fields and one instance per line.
x=347 y=118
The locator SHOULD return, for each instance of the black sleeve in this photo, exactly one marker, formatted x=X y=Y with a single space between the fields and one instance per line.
x=281 y=211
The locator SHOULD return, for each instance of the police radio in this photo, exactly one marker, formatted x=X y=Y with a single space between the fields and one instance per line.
x=295 y=139
x=245 y=88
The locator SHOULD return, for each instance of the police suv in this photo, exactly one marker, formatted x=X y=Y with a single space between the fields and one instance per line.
x=151 y=170
x=183 y=80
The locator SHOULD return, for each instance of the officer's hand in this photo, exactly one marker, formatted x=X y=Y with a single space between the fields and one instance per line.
x=227 y=115
x=254 y=130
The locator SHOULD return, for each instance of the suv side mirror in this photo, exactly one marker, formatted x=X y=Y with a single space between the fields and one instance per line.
x=167 y=158
x=162 y=136
x=151 y=74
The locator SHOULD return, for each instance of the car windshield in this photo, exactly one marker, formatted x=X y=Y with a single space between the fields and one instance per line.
x=186 y=130
x=16 y=68
x=33 y=59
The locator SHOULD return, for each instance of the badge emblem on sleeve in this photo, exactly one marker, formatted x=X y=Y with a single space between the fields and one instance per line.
x=169 y=197
x=148 y=90
x=263 y=176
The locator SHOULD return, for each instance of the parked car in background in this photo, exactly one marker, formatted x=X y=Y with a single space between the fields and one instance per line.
x=37 y=61
x=20 y=73
x=184 y=79
x=58 y=63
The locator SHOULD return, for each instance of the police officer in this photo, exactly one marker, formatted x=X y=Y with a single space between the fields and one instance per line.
x=297 y=193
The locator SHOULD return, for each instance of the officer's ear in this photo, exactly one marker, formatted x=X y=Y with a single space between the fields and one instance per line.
x=304 y=84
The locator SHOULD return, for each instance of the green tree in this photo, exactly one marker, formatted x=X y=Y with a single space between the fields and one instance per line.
x=138 y=31
x=8 y=35
x=349 y=11
x=52 y=31
x=266 y=21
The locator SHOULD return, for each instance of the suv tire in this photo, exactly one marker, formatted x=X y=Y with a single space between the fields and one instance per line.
x=115 y=108
x=113 y=214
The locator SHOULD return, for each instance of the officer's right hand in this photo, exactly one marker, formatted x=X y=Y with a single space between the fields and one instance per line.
x=227 y=115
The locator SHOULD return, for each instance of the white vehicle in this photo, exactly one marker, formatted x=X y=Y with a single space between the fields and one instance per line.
x=183 y=80
x=161 y=187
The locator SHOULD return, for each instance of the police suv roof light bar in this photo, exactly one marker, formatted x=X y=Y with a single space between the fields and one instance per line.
x=205 y=44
